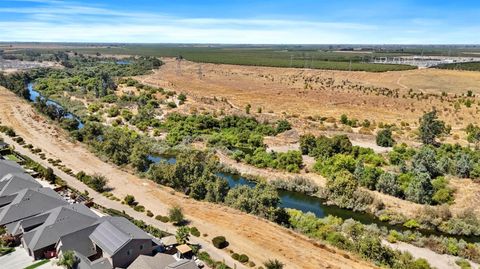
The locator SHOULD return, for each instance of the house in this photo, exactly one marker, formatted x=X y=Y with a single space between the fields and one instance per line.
x=42 y=232
x=111 y=239
x=8 y=167
x=14 y=182
x=161 y=261
x=27 y=203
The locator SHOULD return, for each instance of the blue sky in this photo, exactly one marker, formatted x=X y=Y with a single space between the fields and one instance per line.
x=258 y=22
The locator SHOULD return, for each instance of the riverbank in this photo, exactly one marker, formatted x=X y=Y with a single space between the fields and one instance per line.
x=259 y=239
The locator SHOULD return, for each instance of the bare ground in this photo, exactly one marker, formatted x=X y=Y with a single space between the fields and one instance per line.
x=259 y=239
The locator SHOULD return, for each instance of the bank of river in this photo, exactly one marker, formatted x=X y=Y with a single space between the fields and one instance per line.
x=34 y=94
x=319 y=207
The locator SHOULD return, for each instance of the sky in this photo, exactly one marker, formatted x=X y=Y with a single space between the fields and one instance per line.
x=242 y=22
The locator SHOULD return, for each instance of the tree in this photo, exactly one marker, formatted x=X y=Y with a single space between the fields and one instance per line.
x=140 y=156
x=97 y=182
x=68 y=260
x=282 y=126
x=424 y=161
x=430 y=128
x=49 y=175
x=420 y=189
x=384 y=138
x=307 y=144
x=387 y=183
x=175 y=214
x=182 y=235
x=273 y=264
x=129 y=200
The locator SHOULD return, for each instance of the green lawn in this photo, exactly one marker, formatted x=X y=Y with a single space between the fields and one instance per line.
x=38 y=264
x=11 y=157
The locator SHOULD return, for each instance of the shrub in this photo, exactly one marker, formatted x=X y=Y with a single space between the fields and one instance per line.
x=194 y=231
x=384 y=138
x=235 y=256
x=149 y=213
x=129 y=200
x=139 y=208
x=175 y=214
x=220 y=242
x=243 y=258
x=162 y=218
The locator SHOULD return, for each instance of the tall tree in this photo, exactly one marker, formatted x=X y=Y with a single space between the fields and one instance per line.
x=431 y=127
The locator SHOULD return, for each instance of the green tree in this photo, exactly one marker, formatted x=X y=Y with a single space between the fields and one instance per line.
x=49 y=175
x=140 y=156
x=175 y=214
x=387 y=183
x=97 y=182
x=182 y=235
x=384 y=138
x=68 y=260
x=307 y=143
x=420 y=189
x=282 y=126
x=129 y=200
x=431 y=127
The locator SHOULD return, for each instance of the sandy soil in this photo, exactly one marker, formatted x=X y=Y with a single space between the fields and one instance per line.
x=302 y=93
x=439 y=261
x=259 y=239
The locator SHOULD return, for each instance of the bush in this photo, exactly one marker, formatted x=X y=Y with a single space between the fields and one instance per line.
x=149 y=213
x=194 y=231
x=243 y=258
x=220 y=242
x=139 y=208
x=235 y=256
x=175 y=214
x=129 y=200
x=384 y=138
x=161 y=218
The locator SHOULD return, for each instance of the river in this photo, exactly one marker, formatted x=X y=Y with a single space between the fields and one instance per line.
x=34 y=94
x=319 y=207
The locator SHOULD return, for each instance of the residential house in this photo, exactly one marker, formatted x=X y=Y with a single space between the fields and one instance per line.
x=161 y=261
x=40 y=239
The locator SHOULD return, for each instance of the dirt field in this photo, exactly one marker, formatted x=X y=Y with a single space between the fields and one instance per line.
x=301 y=93
x=259 y=239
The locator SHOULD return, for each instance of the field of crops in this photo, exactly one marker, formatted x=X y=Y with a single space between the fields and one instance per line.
x=473 y=66
x=317 y=59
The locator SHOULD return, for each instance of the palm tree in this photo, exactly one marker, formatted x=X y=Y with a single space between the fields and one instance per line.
x=182 y=235
x=273 y=264
x=68 y=260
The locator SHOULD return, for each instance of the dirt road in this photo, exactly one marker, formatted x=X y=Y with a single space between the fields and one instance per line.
x=259 y=239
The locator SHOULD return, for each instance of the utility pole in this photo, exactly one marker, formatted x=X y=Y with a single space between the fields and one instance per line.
x=179 y=66
x=291 y=60
x=199 y=72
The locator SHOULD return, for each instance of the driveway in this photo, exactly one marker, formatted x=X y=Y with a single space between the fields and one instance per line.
x=18 y=259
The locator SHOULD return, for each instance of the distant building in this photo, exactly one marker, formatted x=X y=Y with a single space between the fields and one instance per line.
x=162 y=261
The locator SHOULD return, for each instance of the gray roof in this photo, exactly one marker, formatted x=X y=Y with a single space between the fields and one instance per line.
x=85 y=263
x=60 y=221
x=15 y=182
x=7 y=167
x=79 y=241
x=159 y=261
x=3 y=144
x=115 y=232
x=182 y=264
x=30 y=202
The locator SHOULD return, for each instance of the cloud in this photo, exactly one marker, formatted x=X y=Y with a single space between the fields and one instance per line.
x=72 y=21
